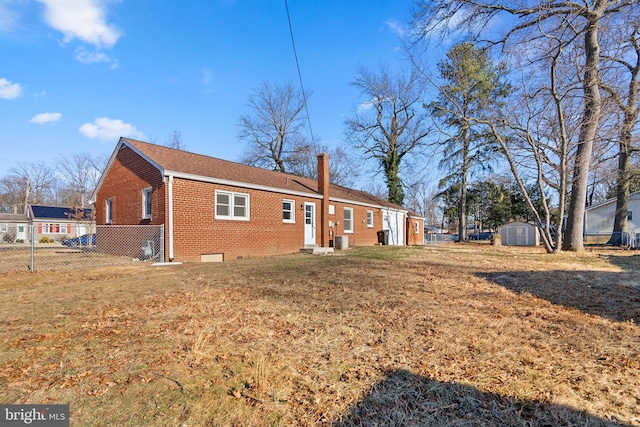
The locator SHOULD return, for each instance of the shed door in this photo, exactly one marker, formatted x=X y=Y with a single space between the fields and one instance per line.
x=521 y=236
x=309 y=223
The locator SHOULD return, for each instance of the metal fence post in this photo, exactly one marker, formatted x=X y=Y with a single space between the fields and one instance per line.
x=33 y=244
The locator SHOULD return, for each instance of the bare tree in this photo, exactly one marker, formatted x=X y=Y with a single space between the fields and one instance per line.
x=622 y=81
x=174 y=140
x=390 y=124
x=272 y=129
x=80 y=174
x=531 y=20
x=31 y=183
x=342 y=170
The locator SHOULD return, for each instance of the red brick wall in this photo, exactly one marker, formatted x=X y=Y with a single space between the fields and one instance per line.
x=196 y=231
x=128 y=176
x=362 y=234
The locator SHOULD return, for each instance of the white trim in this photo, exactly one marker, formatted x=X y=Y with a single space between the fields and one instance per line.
x=145 y=191
x=291 y=220
x=344 y=219
x=242 y=184
x=122 y=141
x=170 y=195
x=370 y=224
x=232 y=195
x=108 y=210
x=352 y=202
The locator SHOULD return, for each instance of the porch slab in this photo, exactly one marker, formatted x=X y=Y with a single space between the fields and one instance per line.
x=316 y=250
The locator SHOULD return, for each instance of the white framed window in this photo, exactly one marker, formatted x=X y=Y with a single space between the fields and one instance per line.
x=52 y=228
x=230 y=205
x=348 y=220
x=332 y=209
x=109 y=211
x=370 y=219
x=147 y=205
x=3 y=228
x=417 y=227
x=288 y=211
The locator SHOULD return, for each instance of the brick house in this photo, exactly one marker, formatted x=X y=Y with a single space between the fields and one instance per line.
x=214 y=209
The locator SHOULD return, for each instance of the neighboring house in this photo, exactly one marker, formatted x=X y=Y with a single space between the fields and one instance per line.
x=598 y=219
x=13 y=228
x=57 y=222
x=518 y=233
x=215 y=209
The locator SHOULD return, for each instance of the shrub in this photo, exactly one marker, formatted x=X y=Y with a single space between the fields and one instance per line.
x=45 y=239
x=20 y=241
x=9 y=237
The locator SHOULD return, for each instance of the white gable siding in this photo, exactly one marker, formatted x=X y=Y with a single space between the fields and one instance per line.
x=599 y=219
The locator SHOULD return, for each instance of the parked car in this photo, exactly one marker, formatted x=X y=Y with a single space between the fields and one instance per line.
x=485 y=235
x=84 y=240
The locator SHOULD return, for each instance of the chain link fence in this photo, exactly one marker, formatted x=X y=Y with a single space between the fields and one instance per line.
x=109 y=245
x=438 y=238
x=629 y=239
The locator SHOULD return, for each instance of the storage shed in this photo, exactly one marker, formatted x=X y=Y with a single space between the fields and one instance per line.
x=518 y=233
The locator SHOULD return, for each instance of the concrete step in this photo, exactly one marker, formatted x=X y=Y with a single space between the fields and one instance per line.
x=315 y=250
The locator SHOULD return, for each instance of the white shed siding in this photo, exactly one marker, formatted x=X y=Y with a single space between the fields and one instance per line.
x=519 y=234
x=394 y=222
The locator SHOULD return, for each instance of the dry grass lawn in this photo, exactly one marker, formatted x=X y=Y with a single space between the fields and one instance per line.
x=448 y=335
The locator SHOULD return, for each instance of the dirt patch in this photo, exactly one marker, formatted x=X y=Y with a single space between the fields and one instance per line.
x=456 y=334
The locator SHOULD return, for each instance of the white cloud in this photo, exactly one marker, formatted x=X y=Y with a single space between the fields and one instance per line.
x=81 y=19
x=365 y=106
x=8 y=18
x=46 y=118
x=9 y=90
x=396 y=27
x=109 y=129
x=87 y=57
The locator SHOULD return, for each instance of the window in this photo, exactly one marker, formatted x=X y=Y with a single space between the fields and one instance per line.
x=54 y=228
x=288 y=211
x=332 y=210
x=370 y=219
x=348 y=220
x=232 y=206
x=147 y=206
x=417 y=227
x=109 y=210
x=3 y=228
x=630 y=215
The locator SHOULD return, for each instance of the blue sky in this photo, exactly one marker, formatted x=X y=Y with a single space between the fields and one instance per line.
x=77 y=74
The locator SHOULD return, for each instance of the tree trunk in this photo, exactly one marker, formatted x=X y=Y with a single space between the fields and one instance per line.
x=462 y=215
x=622 y=191
x=588 y=130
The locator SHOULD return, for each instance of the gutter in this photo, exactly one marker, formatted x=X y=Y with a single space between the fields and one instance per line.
x=170 y=220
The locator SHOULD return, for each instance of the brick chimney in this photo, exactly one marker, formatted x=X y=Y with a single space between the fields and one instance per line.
x=323 y=188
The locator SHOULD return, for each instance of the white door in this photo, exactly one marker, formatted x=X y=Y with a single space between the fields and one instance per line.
x=21 y=233
x=309 y=223
x=393 y=221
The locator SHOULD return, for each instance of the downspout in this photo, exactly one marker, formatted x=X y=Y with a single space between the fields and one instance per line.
x=170 y=218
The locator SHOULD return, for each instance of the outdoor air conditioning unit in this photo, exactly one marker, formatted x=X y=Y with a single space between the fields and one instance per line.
x=342 y=242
